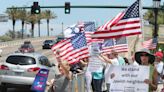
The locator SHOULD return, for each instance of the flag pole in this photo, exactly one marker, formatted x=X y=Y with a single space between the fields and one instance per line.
x=141 y=16
x=139 y=41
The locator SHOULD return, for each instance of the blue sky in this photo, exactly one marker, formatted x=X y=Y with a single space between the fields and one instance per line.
x=100 y=16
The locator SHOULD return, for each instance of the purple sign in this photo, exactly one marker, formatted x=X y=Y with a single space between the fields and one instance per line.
x=39 y=83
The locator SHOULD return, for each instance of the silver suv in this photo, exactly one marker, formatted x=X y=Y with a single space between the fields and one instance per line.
x=20 y=69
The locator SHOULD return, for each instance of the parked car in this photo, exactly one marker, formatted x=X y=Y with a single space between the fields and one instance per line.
x=19 y=70
x=27 y=42
x=26 y=48
x=59 y=38
x=47 y=44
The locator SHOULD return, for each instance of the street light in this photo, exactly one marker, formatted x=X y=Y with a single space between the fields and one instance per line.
x=156 y=5
x=62 y=29
x=51 y=31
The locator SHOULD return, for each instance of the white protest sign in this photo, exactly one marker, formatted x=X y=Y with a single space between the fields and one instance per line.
x=129 y=78
x=95 y=64
x=94 y=49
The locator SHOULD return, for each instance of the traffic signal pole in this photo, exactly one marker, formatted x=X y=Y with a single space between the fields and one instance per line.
x=82 y=6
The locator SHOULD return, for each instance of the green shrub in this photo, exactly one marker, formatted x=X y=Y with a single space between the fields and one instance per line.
x=5 y=38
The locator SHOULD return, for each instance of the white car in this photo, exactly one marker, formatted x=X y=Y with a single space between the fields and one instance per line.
x=20 y=69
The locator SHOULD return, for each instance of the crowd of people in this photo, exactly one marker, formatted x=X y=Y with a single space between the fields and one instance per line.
x=96 y=77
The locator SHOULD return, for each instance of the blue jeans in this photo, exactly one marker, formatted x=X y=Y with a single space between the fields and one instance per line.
x=97 y=85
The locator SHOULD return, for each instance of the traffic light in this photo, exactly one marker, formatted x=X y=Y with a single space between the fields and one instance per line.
x=35 y=8
x=67 y=8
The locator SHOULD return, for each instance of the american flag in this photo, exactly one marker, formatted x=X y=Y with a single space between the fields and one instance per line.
x=89 y=29
x=117 y=44
x=150 y=44
x=125 y=23
x=72 y=49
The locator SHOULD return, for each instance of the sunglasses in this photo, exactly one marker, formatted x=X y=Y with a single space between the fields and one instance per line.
x=144 y=54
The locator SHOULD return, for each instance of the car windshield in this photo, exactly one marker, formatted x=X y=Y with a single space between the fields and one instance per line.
x=60 y=38
x=25 y=46
x=21 y=60
x=27 y=42
x=48 y=41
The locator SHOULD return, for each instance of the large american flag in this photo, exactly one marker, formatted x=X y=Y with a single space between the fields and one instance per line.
x=117 y=44
x=125 y=23
x=89 y=29
x=72 y=49
x=150 y=44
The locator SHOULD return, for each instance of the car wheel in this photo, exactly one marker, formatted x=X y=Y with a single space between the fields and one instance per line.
x=3 y=88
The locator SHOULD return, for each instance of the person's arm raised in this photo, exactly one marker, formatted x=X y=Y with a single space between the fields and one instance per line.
x=105 y=58
x=67 y=72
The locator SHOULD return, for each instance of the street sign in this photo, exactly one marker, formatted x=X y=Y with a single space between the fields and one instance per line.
x=3 y=18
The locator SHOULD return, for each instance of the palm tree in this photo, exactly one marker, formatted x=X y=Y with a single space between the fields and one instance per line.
x=149 y=16
x=32 y=18
x=48 y=15
x=13 y=15
x=23 y=17
x=39 y=17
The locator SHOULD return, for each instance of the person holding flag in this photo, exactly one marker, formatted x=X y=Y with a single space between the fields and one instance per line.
x=94 y=73
x=111 y=60
x=61 y=82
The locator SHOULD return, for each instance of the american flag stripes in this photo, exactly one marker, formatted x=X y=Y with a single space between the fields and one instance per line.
x=89 y=29
x=125 y=23
x=72 y=49
x=117 y=44
x=150 y=44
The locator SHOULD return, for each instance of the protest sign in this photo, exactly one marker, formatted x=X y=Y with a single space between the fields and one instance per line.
x=39 y=83
x=95 y=49
x=95 y=64
x=128 y=78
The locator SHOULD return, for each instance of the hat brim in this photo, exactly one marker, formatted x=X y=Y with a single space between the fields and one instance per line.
x=138 y=59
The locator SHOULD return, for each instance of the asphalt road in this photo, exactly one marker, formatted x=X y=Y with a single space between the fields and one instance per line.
x=38 y=48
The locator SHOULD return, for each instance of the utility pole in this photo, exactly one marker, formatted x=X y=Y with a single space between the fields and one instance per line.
x=156 y=4
x=62 y=29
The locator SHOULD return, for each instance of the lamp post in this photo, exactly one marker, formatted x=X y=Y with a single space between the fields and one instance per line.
x=62 y=29
x=52 y=31
x=156 y=5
